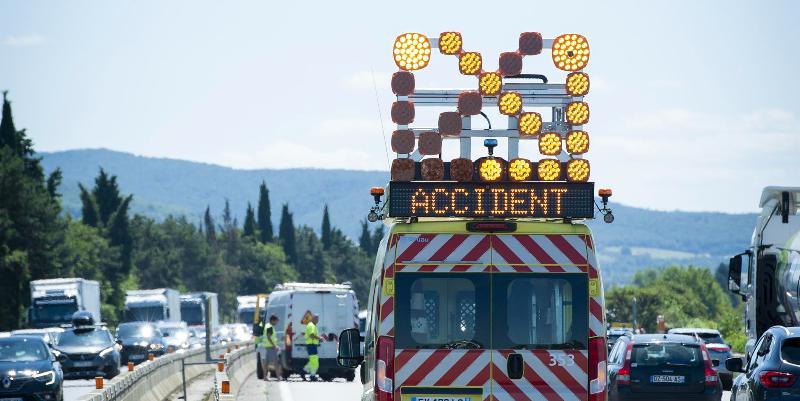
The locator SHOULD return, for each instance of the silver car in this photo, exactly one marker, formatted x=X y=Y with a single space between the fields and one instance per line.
x=717 y=348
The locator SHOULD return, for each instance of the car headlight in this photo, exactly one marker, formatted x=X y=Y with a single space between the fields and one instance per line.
x=155 y=346
x=106 y=351
x=46 y=377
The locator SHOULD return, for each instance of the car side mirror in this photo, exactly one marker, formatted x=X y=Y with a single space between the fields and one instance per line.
x=735 y=274
x=715 y=363
x=735 y=364
x=349 y=354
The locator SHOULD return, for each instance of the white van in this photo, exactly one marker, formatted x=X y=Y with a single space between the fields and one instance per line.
x=294 y=304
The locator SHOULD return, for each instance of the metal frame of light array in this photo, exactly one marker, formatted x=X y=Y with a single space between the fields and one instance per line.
x=569 y=52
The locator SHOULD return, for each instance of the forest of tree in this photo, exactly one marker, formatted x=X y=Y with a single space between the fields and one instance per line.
x=124 y=251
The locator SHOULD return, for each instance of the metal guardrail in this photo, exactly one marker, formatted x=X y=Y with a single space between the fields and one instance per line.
x=157 y=379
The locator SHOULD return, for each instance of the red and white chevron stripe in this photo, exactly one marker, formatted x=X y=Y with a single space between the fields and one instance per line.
x=545 y=250
x=445 y=248
x=449 y=268
x=386 y=313
x=547 y=375
x=597 y=313
x=443 y=367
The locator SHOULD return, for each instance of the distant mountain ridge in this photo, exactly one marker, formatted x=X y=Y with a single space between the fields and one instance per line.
x=638 y=238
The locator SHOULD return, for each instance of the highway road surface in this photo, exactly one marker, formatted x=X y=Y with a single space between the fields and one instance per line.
x=258 y=390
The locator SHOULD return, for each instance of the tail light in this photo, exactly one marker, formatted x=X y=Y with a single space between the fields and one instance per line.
x=287 y=338
x=624 y=374
x=711 y=377
x=384 y=369
x=597 y=369
x=771 y=379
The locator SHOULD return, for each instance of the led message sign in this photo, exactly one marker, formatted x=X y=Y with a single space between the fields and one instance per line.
x=499 y=199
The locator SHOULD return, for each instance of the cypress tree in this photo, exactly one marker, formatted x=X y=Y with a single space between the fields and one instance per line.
x=264 y=214
x=326 y=229
x=287 y=235
x=377 y=236
x=250 y=222
x=211 y=231
x=365 y=239
x=89 y=208
x=106 y=195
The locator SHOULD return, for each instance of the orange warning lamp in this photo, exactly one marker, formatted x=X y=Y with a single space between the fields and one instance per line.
x=376 y=191
x=604 y=192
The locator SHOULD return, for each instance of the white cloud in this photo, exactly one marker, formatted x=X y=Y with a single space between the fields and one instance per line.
x=24 y=40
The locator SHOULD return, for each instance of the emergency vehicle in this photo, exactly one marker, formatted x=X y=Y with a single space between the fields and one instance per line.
x=487 y=285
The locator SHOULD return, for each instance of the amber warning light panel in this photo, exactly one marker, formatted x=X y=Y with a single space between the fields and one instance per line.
x=500 y=199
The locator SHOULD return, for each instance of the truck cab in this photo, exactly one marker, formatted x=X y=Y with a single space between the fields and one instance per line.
x=157 y=305
x=767 y=274
x=53 y=301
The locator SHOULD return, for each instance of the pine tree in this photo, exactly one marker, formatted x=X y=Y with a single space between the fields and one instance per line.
x=89 y=213
x=211 y=231
x=250 y=222
x=287 y=235
x=326 y=229
x=106 y=195
x=264 y=215
x=365 y=239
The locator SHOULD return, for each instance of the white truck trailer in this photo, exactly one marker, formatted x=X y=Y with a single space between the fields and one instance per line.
x=53 y=301
x=158 y=305
x=767 y=274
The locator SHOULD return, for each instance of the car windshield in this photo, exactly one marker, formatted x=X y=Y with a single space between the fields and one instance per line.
x=246 y=315
x=175 y=333
x=79 y=338
x=708 y=338
x=53 y=312
x=135 y=331
x=192 y=313
x=666 y=354
x=22 y=350
x=144 y=314
x=790 y=350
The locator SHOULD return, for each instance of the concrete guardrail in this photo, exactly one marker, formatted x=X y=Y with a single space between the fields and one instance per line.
x=239 y=365
x=156 y=380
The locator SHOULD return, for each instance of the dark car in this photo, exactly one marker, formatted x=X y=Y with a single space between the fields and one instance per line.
x=661 y=367
x=90 y=351
x=28 y=370
x=771 y=372
x=138 y=340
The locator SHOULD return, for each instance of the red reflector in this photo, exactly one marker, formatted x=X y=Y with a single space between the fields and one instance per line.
x=492 y=226
x=772 y=379
x=711 y=377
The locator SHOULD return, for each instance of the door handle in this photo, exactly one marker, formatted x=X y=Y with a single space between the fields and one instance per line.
x=515 y=366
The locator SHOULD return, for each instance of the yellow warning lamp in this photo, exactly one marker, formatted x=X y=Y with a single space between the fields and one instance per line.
x=450 y=43
x=578 y=170
x=530 y=123
x=412 y=51
x=570 y=52
x=550 y=144
x=490 y=83
x=490 y=169
x=470 y=63
x=577 y=142
x=519 y=170
x=549 y=169
x=577 y=83
x=577 y=113
x=510 y=103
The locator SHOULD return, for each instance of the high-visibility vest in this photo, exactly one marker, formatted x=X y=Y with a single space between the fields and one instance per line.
x=311 y=328
x=274 y=336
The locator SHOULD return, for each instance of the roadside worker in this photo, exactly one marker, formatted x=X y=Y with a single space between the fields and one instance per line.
x=269 y=341
x=312 y=343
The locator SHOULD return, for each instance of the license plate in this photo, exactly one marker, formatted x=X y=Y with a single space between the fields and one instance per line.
x=136 y=357
x=667 y=379
x=440 y=398
x=83 y=364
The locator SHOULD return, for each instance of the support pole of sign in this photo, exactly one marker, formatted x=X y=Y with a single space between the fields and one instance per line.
x=207 y=304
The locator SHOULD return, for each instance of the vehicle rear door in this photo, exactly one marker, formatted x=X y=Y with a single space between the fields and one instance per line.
x=667 y=368
x=304 y=305
x=541 y=317
x=441 y=316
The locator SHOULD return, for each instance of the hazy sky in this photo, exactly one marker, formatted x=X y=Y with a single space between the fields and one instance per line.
x=693 y=104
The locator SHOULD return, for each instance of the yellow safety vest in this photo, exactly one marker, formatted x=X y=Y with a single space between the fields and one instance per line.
x=274 y=336
x=311 y=328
